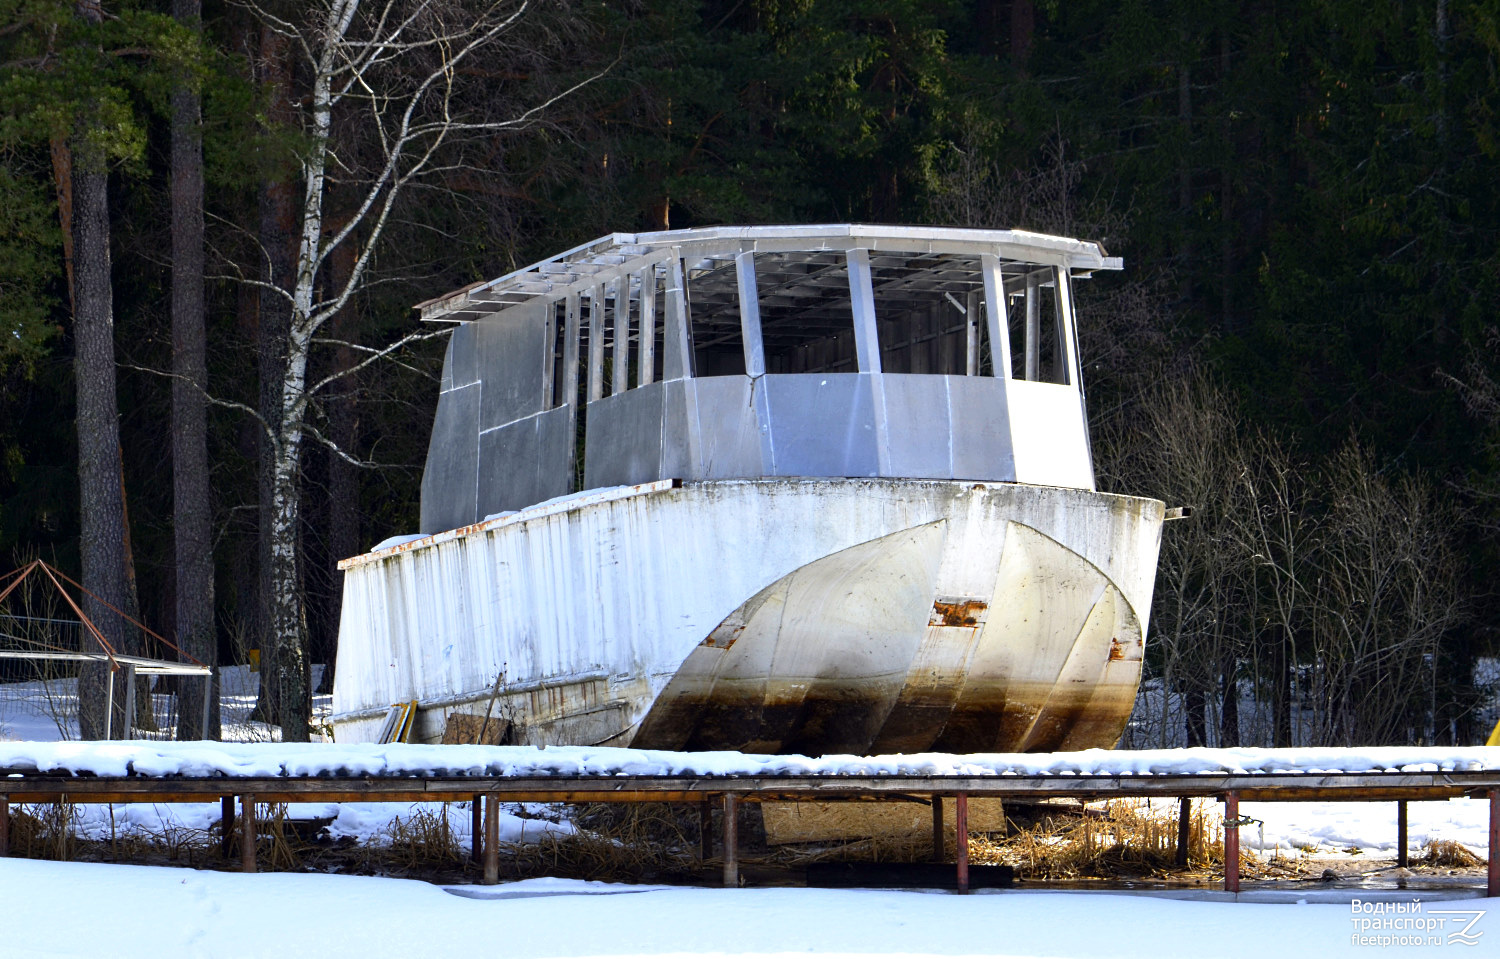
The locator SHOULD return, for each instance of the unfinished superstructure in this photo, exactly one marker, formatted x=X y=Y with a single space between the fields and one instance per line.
x=811 y=489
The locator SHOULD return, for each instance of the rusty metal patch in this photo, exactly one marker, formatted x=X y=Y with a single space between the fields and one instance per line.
x=957 y=612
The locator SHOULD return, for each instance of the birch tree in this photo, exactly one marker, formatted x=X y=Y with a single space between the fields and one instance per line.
x=397 y=69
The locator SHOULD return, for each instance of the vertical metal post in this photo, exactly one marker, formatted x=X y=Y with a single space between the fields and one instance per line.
x=109 y=707
x=596 y=343
x=677 y=351
x=621 y=378
x=1401 y=834
x=1231 y=842
x=226 y=825
x=247 y=833
x=129 y=731
x=646 y=372
x=1184 y=827
x=1067 y=333
x=4 y=826
x=971 y=335
x=937 y=829
x=705 y=830
x=572 y=337
x=961 y=839
x=731 y=841
x=1033 y=344
x=491 y=839
x=862 y=298
x=744 y=273
x=476 y=828
x=996 y=320
x=1493 y=883
x=867 y=349
x=208 y=695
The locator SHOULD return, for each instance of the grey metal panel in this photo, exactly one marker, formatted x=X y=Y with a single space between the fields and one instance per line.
x=507 y=468
x=918 y=426
x=512 y=350
x=679 y=445
x=461 y=367
x=624 y=438
x=554 y=453
x=821 y=424
x=448 y=492
x=719 y=408
x=980 y=422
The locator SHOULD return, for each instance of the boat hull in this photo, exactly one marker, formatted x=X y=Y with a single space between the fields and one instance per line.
x=806 y=615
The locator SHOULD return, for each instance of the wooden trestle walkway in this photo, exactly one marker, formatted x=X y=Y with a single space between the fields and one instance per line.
x=728 y=791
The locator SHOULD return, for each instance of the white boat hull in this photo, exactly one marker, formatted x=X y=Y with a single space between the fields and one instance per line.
x=778 y=615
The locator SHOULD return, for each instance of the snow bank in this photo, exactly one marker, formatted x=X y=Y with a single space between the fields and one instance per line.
x=369 y=823
x=139 y=911
x=204 y=759
x=1338 y=828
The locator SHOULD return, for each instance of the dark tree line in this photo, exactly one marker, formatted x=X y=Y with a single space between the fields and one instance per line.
x=1306 y=197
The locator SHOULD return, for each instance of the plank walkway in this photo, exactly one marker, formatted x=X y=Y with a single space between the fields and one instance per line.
x=728 y=791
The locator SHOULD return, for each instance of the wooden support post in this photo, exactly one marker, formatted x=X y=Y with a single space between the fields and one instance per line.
x=226 y=825
x=476 y=828
x=1184 y=830
x=4 y=826
x=1401 y=833
x=491 y=839
x=1231 y=842
x=705 y=830
x=247 y=833
x=1493 y=885
x=937 y=829
x=731 y=841
x=961 y=840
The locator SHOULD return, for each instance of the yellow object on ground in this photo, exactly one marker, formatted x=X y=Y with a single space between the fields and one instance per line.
x=1494 y=739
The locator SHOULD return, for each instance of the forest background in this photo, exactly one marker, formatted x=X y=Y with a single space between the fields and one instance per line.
x=1303 y=345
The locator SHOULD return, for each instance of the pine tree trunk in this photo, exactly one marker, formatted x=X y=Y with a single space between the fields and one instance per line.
x=192 y=517
x=101 y=500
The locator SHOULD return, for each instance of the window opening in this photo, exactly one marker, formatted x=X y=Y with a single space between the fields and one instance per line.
x=558 y=328
x=806 y=316
x=1036 y=325
x=718 y=345
x=922 y=304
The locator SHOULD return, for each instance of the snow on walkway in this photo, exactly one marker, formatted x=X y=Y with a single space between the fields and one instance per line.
x=93 y=910
x=149 y=758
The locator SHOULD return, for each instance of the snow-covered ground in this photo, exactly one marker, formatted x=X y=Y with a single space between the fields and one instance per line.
x=47 y=710
x=137 y=911
x=131 y=911
x=366 y=822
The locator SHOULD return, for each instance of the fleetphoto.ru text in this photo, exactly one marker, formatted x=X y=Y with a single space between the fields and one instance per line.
x=1414 y=924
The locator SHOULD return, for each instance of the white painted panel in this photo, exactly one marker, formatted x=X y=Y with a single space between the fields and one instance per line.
x=1048 y=436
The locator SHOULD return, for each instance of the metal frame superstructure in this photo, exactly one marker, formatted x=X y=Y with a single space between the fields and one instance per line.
x=745 y=352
